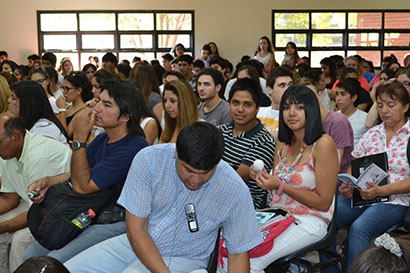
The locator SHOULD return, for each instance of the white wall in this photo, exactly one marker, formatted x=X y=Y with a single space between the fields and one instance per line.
x=235 y=26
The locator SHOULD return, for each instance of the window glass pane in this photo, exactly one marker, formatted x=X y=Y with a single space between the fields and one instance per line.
x=297 y=20
x=135 y=21
x=398 y=53
x=328 y=20
x=364 y=39
x=136 y=41
x=373 y=56
x=85 y=55
x=105 y=41
x=397 y=20
x=169 y=40
x=72 y=56
x=58 y=22
x=283 y=38
x=97 y=21
x=397 y=39
x=147 y=56
x=327 y=39
x=317 y=56
x=60 y=42
x=174 y=21
x=365 y=20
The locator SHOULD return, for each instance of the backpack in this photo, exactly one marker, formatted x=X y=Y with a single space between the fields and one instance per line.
x=50 y=221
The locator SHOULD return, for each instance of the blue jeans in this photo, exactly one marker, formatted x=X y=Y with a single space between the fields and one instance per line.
x=365 y=223
x=116 y=255
x=90 y=236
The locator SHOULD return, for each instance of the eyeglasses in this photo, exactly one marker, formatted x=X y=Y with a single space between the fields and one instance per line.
x=66 y=88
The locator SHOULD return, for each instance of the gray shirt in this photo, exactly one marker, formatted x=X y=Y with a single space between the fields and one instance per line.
x=219 y=115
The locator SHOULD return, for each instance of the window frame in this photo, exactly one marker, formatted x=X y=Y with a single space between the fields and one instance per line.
x=117 y=33
x=381 y=48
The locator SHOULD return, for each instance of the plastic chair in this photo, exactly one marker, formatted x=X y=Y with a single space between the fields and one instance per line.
x=321 y=246
x=213 y=261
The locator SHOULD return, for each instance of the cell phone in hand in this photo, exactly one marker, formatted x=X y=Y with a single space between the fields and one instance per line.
x=32 y=194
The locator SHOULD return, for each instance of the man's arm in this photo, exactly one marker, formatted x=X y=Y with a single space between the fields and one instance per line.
x=8 y=201
x=41 y=186
x=143 y=245
x=80 y=170
x=17 y=223
x=243 y=172
x=238 y=263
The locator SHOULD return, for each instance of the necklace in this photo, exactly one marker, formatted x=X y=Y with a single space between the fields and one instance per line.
x=283 y=175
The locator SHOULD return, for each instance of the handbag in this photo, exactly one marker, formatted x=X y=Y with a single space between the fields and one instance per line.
x=50 y=221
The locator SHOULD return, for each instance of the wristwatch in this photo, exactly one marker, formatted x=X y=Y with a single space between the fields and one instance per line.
x=76 y=145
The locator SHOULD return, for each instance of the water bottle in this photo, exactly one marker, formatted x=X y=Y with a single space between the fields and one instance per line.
x=84 y=219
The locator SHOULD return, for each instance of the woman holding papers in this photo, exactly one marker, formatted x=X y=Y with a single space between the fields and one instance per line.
x=391 y=137
x=305 y=174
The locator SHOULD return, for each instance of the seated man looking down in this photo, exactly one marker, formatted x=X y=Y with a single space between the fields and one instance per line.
x=246 y=139
x=26 y=158
x=104 y=164
x=173 y=215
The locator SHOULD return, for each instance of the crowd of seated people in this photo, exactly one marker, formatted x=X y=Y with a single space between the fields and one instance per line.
x=306 y=124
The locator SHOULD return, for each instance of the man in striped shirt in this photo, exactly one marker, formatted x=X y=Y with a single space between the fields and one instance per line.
x=246 y=139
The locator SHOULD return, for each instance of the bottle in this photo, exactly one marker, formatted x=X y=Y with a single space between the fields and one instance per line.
x=84 y=219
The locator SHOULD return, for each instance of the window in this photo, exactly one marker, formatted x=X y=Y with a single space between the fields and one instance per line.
x=372 y=34
x=146 y=34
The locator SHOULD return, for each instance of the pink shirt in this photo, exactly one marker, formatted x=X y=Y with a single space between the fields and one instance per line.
x=303 y=177
x=374 y=142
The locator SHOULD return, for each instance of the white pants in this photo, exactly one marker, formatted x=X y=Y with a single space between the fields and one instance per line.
x=13 y=244
x=310 y=229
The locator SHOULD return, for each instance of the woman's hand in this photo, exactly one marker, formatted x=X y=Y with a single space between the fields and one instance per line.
x=346 y=190
x=372 y=192
x=266 y=181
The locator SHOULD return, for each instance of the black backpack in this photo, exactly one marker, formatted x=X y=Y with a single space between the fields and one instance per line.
x=50 y=221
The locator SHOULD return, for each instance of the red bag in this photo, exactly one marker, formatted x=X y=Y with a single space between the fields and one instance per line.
x=269 y=233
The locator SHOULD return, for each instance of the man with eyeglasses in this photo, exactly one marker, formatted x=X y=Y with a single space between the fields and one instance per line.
x=185 y=67
x=173 y=215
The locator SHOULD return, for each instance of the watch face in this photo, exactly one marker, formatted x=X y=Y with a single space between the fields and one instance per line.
x=77 y=145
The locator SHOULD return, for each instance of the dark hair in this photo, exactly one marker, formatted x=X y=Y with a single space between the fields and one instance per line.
x=200 y=145
x=79 y=79
x=351 y=86
x=251 y=72
x=147 y=80
x=52 y=74
x=329 y=62
x=14 y=123
x=12 y=65
x=199 y=63
x=219 y=61
x=128 y=99
x=34 y=104
x=295 y=54
x=174 y=49
x=43 y=264
x=174 y=73
x=390 y=59
x=9 y=76
x=314 y=74
x=270 y=46
x=154 y=62
x=395 y=91
x=110 y=57
x=216 y=48
x=159 y=72
x=124 y=69
x=215 y=74
x=136 y=59
x=206 y=47
x=3 y=53
x=346 y=70
x=33 y=57
x=51 y=57
x=301 y=69
x=313 y=126
x=377 y=259
x=23 y=69
x=276 y=73
x=249 y=85
x=371 y=66
x=103 y=75
x=186 y=58
x=42 y=71
x=167 y=57
x=390 y=73
x=256 y=64
x=85 y=68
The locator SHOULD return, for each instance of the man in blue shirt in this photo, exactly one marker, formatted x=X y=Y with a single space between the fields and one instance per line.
x=163 y=235
x=104 y=164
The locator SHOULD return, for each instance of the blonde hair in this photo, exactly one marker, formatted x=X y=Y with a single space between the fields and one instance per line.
x=5 y=93
x=187 y=106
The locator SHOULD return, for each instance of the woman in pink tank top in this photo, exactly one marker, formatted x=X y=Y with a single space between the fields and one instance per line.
x=305 y=174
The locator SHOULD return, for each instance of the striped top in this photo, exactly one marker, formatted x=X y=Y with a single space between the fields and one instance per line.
x=245 y=148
